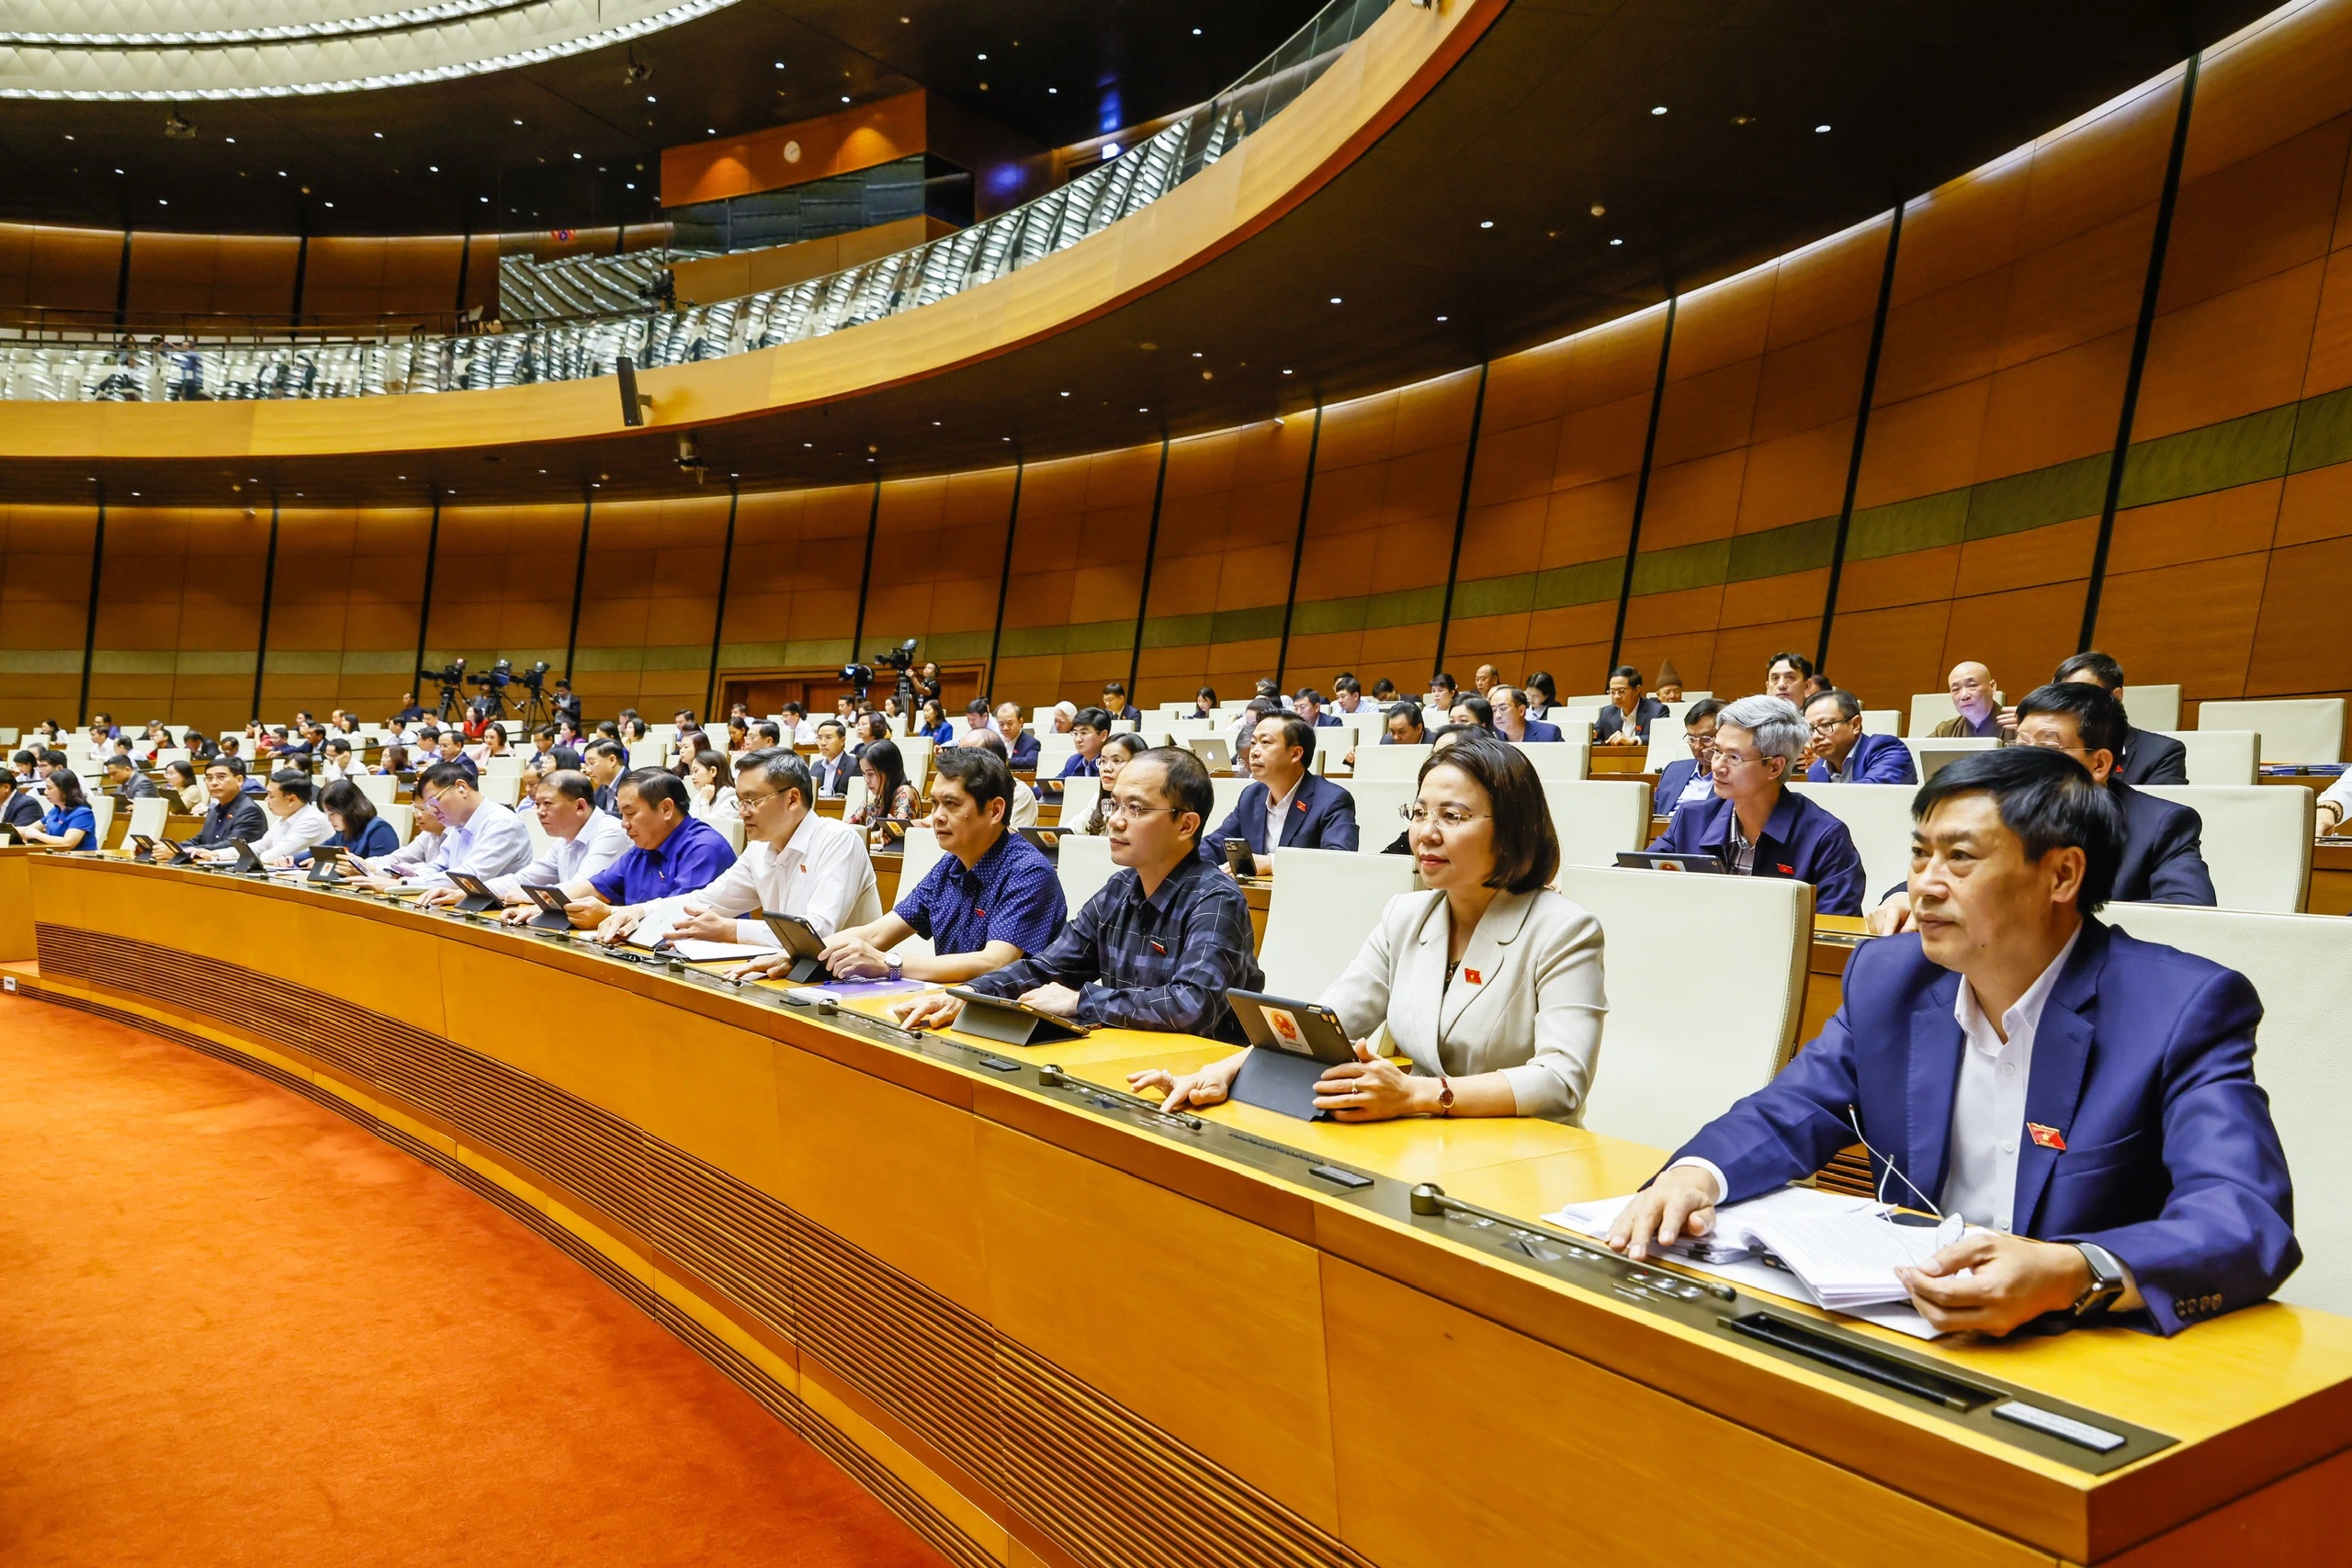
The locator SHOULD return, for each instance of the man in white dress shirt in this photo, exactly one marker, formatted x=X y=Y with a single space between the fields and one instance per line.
x=295 y=824
x=794 y=863
x=475 y=836
x=581 y=841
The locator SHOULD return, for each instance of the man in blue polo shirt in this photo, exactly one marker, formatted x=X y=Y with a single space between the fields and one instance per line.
x=992 y=899
x=672 y=850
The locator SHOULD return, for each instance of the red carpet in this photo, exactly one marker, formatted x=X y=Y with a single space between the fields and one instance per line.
x=235 y=1328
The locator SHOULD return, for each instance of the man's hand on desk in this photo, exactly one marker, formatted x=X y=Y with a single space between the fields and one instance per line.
x=935 y=1010
x=700 y=924
x=439 y=895
x=753 y=968
x=854 y=958
x=2009 y=1280
x=1681 y=1203
x=1210 y=1086
x=518 y=913
x=1059 y=1000
x=592 y=914
x=1891 y=917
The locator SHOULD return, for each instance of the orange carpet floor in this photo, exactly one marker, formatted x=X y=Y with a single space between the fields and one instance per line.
x=235 y=1328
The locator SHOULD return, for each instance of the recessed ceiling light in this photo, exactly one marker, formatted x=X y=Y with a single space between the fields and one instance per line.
x=981 y=57
x=809 y=444
x=1196 y=32
x=380 y=135
x=1335 y=299
x=633 y=185
x=845 y=99
x=163 y=201
x=651 y=99
x=1616 y=242
x=1486 y=223
x=935 y=424
x=1052 y=90
x=709 y=131
x=1821 y=131
x=432 y=168
x=1660 y=109
x=231 y=140
x=118 y=171
x=1285 y=372
x=518 y=122
x=1065 y=394
x=575 y=155
x=485 y=200
x=69 y=135
x=779 y=65
x=1440 y=318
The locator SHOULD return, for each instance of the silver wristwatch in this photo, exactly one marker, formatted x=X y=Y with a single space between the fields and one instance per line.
x=2107 y=1280
x=894 y=966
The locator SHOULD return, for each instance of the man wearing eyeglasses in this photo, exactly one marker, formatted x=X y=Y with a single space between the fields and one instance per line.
x=1755 y=825
x=1160 y=944
x=2163 y=860
x=466 y=832
x=1843 y=754
x=1691 y=778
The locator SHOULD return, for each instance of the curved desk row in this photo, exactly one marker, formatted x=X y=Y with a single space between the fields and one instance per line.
x=1048 y=1325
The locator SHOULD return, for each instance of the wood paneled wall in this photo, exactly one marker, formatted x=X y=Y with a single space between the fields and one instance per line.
x=1485 y=516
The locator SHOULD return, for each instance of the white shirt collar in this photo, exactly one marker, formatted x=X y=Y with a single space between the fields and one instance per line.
x=2023 y=1020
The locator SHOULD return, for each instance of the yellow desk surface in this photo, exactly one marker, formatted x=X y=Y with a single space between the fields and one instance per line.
x=1055 y=1334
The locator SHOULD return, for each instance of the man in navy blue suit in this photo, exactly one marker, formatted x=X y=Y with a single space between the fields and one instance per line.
x=1511 y=722
x=1843 y=754
x=2163 y=858
x=2147 y=757
x=1754 y=824
x=2087 y=1096
x=1626 y=720
x=1308 y=705
x=1313 y=812
x=1691 y=778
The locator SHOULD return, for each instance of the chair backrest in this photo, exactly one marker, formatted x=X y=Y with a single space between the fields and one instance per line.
x=2258 y=841
x=1881 y=721
x=1083 y=864
x=537 y=832
x=1931 y=756
x=1229 y=795
x=1052 y=750
x=504 y=788
x=915 y=752
x=381 y=789
x=2152 y=707
x=854 y=793
x=1374 y=761
x=1556 y=758
x=102 y=808
x=2301 y=968
x=511 y=762
x=1325 y=903
x=648 y=753
x=1377 y=804
x=148 y=817
x=401 y=817
x=165 y=755
x=730 y=828
x=1078 y=796
x=1596 y=818
x=2294 y=729
x=919 y=853
x=2219 y=756
x=1928 y=709
x=1706 y=988
x=1878 y=818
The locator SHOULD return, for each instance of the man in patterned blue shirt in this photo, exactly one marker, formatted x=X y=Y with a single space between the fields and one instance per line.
x=991 y=898
x=1162 y=943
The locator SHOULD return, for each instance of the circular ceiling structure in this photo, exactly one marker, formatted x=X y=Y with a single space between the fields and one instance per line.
x=189 y=51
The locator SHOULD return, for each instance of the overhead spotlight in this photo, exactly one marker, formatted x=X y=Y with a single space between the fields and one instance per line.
x=178 y=127
x=636 y=69
x=1599 y=210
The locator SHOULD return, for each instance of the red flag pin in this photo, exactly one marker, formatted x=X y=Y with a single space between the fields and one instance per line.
x=2047 y=1138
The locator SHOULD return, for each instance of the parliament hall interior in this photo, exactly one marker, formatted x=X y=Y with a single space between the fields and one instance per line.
x=1300 y=785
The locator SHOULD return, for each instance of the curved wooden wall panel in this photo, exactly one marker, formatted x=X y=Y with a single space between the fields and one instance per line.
x=2006 y=354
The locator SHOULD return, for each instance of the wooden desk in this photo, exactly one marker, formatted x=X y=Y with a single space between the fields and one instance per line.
x=1047 y=1328
x=2330 y=883
x=1621 y=761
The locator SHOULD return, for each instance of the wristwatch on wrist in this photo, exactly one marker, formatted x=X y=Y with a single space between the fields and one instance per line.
x=2107 y=1280
x=1444 y=1095
x=894 y=966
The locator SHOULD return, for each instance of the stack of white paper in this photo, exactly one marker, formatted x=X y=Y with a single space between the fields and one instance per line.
x=698 y=951
x=1845 y=1260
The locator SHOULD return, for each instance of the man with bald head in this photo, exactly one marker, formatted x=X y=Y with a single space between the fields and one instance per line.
x=1976 y=707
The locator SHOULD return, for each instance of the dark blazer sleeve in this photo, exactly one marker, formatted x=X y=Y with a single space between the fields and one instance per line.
x=1889 y=764
x=2225 y=1236
x=2156 y=760
x=1339 y=831
x=2176 y=873
x=1836 y=874
x=1791 y=1126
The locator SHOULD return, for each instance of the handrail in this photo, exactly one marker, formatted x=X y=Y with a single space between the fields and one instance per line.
x=203 y=369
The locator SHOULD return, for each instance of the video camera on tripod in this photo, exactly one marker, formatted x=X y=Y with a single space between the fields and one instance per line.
x=451 y=679
x=901 y=659
x=491 y=703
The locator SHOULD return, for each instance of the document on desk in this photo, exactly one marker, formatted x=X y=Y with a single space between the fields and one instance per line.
x=694 y=952
x=1828 y=1231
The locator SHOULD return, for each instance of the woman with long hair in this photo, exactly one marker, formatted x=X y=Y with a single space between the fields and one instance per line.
x=710 y=780
x=933 y=725
x=1116 y=753
x=357 y=828
x=888 y=794
x=180 y=780
x=70 y=824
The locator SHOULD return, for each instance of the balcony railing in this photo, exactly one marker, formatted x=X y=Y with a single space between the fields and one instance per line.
x=122 y=370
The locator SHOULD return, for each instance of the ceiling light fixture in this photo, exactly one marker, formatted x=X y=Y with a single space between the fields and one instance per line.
x=1821 y=131
x=1335 y=299
x=1486 y=223
x=1660 y=109
x=1616 y=242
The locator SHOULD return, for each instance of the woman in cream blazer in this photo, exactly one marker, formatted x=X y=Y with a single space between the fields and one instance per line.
x=1490 y=983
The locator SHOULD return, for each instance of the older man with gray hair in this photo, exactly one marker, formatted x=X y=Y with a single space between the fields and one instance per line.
x=1753 y=824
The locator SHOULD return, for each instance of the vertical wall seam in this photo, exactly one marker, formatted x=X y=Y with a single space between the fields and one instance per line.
x=425 y=601
x=1461 y=520
x=1004 y=578
x=1862 y=434
x=718 y=617
x=579 y=583
x=269 y=594
x=1151 y=549
x=2149 y=291
x=865 y=573
x=1298 y=545
x=90 y=624
x=1642 y=485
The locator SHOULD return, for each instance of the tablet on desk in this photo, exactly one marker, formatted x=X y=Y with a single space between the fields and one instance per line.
x=801 y=939
x=553 y=915
x=477 y=895
x=1658 y=860
x=1291 y=1043
x=1014 y=1024
x=324 y=867
x=1046 y=839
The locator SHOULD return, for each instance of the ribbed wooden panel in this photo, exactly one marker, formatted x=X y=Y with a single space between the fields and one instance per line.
x=1111 y=1489
x=1849 y=1173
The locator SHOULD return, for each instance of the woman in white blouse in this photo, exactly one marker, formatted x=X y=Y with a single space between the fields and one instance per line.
x=1489 y=982
x=710 y=780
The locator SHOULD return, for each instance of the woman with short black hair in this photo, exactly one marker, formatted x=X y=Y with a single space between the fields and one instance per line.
x=1489 y=982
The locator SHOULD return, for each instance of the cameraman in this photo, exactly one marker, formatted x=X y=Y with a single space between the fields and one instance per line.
x=565 y=702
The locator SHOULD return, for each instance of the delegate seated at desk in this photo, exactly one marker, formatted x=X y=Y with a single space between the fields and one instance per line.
x=467 y=834
x=794 y=863
x=2161 y=862
x=991 y=899
x=581 y=841
x=234 y=815
x=1755 y=823
x=296 y=826
x=358 y=828
x=1842 y=753
x=670 y=851
x=1160 y=944
x=1284 y=806
x=69 y=823
x=1489 y=981
x=20 y=805
x=2088 y=1096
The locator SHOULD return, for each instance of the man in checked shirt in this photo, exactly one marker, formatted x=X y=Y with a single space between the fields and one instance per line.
x=1162 y=943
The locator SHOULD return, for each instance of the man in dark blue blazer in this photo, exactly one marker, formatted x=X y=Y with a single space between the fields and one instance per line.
x=1843 y=754
x=2163 y=860
x=1691 y=778
x=1625 y=721
x=2145 y=757
x=1308 y=705
x=2087 y=1098
x=1510 y=704
x=1754 y=824
x=1316 y=813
